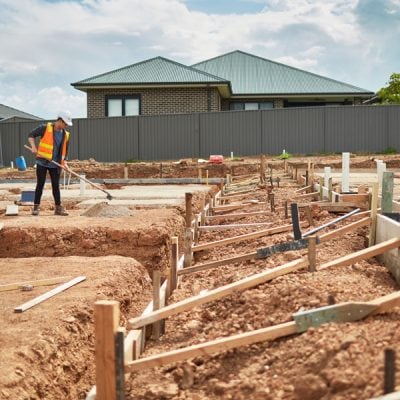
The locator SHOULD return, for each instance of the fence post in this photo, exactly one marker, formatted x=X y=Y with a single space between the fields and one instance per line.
x=106 y=320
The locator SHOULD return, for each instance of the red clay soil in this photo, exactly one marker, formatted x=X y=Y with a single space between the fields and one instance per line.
x=47 y=351
x=334 y=361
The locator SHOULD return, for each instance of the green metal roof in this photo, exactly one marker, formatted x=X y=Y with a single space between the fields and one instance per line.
x=156 y=70
x=252 y=75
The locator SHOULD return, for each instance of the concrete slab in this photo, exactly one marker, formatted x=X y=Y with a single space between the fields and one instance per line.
x=131 y=195
x=142 y=203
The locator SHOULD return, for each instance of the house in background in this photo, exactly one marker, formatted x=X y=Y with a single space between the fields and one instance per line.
x=232 y=81
x=9 y=114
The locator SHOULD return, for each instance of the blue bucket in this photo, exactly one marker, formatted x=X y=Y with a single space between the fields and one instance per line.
x=20 y=163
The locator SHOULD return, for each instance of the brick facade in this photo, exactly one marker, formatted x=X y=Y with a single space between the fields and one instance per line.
x=157 y=101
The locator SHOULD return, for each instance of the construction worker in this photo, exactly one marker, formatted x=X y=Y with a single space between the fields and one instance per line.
x=53 y=145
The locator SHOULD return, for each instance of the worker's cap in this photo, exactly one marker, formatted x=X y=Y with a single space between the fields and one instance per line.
x=66 y=117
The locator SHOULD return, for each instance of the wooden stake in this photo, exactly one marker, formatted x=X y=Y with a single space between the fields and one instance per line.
x=312 y=257
x=374 y=206
x=120 y=363
x=189 y=248
x=390 y=371
x=295 y=221
x=156 y=301
x=321 y=188
x=106 y=319
x=174 y=262
x=188 y=207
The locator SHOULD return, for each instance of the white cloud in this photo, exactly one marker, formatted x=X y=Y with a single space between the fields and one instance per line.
x=47 y=45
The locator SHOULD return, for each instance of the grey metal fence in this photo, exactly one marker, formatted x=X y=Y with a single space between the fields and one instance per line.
x=165 y=137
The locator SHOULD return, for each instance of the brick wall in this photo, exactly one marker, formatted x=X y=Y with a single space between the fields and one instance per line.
x=156 y=101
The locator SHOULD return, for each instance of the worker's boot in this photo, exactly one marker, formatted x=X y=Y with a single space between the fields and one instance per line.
x=60 y=210
x=36 y=209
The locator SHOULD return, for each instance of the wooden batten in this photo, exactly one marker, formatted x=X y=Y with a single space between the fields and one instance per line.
x=363 y=254
x=218 y=293
x=247 y=236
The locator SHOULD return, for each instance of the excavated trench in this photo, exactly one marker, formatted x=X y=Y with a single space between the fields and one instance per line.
x=48 y=351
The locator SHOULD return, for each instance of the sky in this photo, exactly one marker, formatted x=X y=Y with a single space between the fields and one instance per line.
x=48 y=44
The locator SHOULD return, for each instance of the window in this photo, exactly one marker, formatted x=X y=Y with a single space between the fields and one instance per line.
x=119 y=106
x=263 y=105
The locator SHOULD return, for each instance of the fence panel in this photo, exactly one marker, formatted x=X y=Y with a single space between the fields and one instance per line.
x=167 y=137
x=393 y=127
x=355 y=129
x=234 y=131
x=244 y=133
x=105 y=139
x=295 y=130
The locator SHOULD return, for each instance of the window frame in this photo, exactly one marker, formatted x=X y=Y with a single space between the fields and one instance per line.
x=123 y=98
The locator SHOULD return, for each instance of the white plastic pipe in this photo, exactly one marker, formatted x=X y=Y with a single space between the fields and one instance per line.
x=82 y=185
x=345 y=172
x=327 y=175
x=381 y=168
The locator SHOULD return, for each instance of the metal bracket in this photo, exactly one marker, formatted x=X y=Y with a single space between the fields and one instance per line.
x=282 y=247
x=344 y=312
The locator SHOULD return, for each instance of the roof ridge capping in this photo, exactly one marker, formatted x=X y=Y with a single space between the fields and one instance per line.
x=283 y=65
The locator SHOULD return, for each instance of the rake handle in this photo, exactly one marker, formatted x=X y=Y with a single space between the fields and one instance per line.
x=74 y=173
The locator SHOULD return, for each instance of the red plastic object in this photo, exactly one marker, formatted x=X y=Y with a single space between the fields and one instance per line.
x=216 y=159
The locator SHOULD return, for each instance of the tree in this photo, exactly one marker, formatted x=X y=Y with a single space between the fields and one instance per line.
x=391 y=93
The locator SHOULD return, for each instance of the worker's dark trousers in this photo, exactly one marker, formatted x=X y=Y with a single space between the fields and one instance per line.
x=55 y=183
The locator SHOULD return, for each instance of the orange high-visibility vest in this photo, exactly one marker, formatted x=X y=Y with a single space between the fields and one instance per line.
x=46 y=144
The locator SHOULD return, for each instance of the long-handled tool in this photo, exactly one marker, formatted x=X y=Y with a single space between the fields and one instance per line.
x=109 y=197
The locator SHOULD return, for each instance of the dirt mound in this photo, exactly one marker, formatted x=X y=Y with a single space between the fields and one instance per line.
x=104 y=209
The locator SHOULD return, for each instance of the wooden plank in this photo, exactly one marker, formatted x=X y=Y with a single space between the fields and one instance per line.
x=218 y=293
x=41 y=282
x=47 y=295
x=213 y=264
x=232 y=207
x=247 y=236
x=224 y=227
x=344 y=229
x=387 y=302
x=214 y=346
x=349 y=311
x=306 y=195
x=236 y=215
x=235 y=194
x=354 y=198
x=132 y=345
x=363 y=254
x=106 y=319
x=304 y=189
